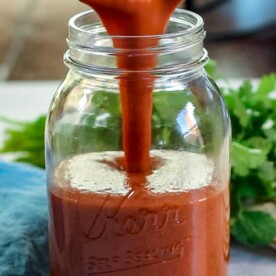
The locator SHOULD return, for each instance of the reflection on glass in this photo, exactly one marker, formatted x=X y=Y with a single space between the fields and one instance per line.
x=188 y=126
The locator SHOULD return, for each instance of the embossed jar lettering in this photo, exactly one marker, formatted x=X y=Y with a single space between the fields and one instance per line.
x=134 y=223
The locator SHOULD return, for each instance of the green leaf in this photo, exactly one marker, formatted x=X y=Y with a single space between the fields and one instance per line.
x=269 y=130
x=26 y=139
x=267 y=171
x=244 y=158
x=248 y=190
x=211 y=68
x=254 y=228
x=266 y=85
x=240 y=111
x=267 y=176
x=264 y=95
x=106 y=102
x=166 y=106
x=260 y=143
x=238 y=108
x=245 y=92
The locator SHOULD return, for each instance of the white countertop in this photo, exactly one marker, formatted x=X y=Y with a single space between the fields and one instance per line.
x=25 y=100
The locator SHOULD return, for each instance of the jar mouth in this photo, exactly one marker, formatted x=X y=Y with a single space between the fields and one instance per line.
x=80 y=23
x=179 y=49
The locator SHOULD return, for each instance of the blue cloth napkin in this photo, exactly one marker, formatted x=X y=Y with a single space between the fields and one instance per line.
x=23 y=221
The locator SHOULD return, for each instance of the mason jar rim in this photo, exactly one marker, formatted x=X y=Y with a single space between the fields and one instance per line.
x=179 y=50
x=195 y=26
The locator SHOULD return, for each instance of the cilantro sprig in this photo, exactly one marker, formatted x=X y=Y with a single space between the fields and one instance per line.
x=26 y=139
x=253 y=179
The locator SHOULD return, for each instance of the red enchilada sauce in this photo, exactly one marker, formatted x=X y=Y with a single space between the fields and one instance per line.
x=136 y=232
x=168 y=234
x=135 y=18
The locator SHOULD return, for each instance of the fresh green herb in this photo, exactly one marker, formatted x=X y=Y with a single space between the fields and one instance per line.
x=26 y=139
x=253 y=179
x=253 y=115
x=254 y=228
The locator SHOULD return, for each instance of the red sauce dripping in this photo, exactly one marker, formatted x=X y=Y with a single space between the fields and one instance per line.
x=143 y=233
x=135 y=18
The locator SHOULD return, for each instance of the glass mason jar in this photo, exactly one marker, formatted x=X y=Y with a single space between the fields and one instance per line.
x=147 y=102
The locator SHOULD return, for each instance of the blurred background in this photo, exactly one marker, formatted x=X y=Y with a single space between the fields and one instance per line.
x=241 y=36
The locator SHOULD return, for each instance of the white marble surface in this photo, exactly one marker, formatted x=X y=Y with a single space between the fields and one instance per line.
x=252 y=262
x=28 y=100
x=25 y=100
